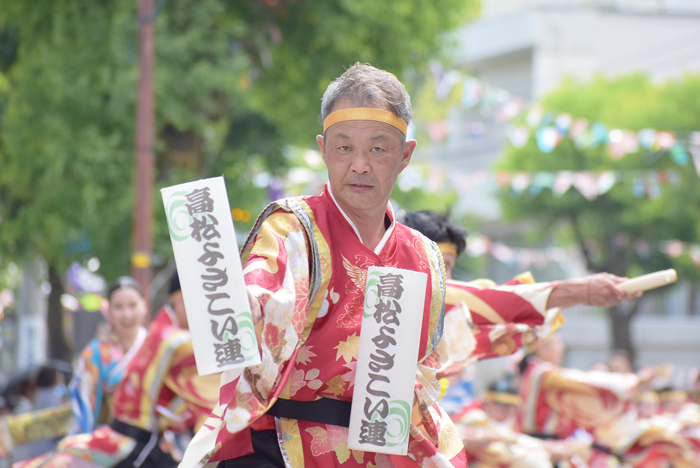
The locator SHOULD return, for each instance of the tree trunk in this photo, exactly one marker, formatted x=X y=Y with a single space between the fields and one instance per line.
x=58 y=346
x=692 y=300
x=620 y=318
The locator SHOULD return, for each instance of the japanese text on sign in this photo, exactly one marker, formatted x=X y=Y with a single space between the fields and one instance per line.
x=211 y=276
x=386 y=367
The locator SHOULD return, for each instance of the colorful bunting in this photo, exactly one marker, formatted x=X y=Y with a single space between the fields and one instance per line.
x=479 y=245
x=547 y=139
x=590 y=184
x=549 y=129
x=518 y=135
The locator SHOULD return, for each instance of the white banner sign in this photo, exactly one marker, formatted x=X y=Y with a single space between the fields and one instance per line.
x=211 y=276
x=386 y=363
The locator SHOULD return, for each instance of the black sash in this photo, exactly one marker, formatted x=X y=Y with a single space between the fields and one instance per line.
x=136 y=433
x=324 y=411
x=594 y=446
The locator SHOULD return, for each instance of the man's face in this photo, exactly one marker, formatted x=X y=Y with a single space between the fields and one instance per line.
x=449 y=260
x=647 y=409
x=620 y=364
x=364 y=159
x=552 y=350
x=672 y=406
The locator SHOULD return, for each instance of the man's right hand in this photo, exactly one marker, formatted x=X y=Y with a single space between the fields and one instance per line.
x=604 y=290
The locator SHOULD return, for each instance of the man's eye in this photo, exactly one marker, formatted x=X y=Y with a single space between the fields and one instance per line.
x=377 y=149
x=344 y=148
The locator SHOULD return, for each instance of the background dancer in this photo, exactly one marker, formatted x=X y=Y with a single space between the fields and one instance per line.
x=160 y=392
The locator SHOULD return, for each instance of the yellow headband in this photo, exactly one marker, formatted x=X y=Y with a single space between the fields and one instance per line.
x=447 y=248
x=365 y=113
x=649 y=396
x=502 y=398
x=673 y=395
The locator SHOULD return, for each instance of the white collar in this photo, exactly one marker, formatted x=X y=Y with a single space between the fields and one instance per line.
x=386 y=235
x=171 y=313
x=129 y=355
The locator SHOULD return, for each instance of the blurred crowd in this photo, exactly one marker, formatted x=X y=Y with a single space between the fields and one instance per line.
x=135 y=399
x=539 y=415
x=27 y=395
x=543 y=415
x=133 y=395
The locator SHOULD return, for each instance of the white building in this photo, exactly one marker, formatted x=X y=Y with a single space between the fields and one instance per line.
x=528 y=47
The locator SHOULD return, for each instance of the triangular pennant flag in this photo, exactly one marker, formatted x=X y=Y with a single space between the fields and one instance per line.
x=445 y=85
x=579 y=126
x=665 y=140
x=563 y=182
x=605 y=182
x=679 y=154
x=520 y=182
x=534 y=116
x=586 y=184
x=518 y=135
x=547 y=139
x=647 y=137
x=471 y=92
x=563 y=123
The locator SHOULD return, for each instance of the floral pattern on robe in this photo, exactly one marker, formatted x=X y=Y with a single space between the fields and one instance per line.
x=556 y=401
x=309 y=342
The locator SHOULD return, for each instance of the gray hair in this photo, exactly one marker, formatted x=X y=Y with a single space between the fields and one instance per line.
x=363 y=84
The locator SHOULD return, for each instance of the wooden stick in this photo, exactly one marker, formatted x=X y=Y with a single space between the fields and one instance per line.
x=650 y=281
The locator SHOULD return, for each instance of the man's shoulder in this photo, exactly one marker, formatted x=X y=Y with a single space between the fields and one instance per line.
x=295 y=210
x=303 y=202
x=404 y=232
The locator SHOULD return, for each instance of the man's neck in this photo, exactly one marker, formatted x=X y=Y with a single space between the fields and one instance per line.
x=371 y=227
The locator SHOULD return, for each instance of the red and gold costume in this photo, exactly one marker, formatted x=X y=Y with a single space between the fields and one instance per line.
x=505 y=448
x=498 y=444
x=306 y=265
x=501 y=318
x=161 y=391
x=667 y=438
x=558 y=401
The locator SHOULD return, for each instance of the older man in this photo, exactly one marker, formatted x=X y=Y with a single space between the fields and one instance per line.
x=305 y=269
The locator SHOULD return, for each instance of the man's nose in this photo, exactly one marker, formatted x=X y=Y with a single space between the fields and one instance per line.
x=360 y=162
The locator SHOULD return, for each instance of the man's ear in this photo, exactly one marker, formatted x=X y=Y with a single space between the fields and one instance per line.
x=408 y=149
x=322 y=146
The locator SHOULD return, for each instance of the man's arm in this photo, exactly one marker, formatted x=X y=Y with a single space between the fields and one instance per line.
x=600 y=290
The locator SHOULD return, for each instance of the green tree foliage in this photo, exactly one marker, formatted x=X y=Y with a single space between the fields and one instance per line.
x=608 y=228
x=234 y=82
